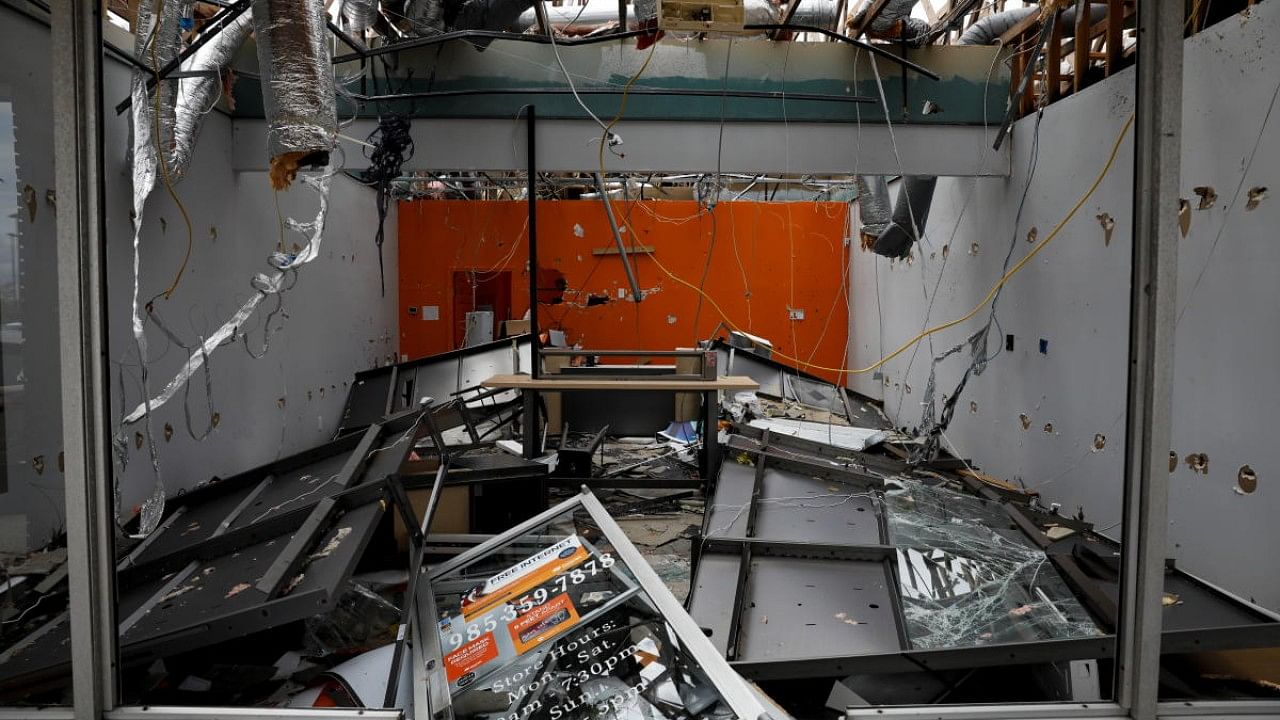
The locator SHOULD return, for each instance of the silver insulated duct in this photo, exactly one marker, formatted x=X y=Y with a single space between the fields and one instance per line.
x=201 y=87
x=360 y=14
x=297 y=85
x=158 y=41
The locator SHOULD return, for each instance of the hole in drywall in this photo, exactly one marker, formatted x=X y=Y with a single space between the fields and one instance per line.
x=1044 y=346
x=1025 y=420
x=1032 y=234
x=1184 y=216
x=1108 y=225
x=973 y=249
x=1208 y=196
x=1048 y=428
x=138 y=439
x=168 y=432
x=946 y=250
x=1173 y=461
x=1099 y=442
x=1198 y=462
x=973 y=407
x=1008 y=343
x=1246 y=480
x=1256 y=196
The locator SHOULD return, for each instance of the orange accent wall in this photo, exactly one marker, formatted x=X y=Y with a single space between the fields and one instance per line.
x=765 y=258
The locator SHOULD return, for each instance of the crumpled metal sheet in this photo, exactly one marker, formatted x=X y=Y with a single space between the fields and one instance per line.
x=297 y=85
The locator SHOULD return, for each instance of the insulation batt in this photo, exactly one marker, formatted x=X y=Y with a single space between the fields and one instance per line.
x=297 y=85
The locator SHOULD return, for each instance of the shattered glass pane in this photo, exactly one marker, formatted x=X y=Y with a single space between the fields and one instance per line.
x=966 y=580
x=554 y=626
x=815 y=394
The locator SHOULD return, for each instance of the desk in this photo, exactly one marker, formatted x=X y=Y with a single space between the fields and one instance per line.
x=710 y=402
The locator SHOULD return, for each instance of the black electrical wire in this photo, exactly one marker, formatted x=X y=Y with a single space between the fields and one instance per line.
x=392 y=146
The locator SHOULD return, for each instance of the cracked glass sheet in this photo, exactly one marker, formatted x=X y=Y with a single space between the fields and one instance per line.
x=553 y=626
x=967 y=580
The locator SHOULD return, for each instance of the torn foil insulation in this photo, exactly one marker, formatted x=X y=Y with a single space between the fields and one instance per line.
x=158 y=42
x=965 y=581
x=297 y=85
x=201 y=88
x=263 y=286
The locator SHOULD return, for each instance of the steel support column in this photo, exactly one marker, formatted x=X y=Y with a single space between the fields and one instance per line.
x=1153 y=296
x=77 y=119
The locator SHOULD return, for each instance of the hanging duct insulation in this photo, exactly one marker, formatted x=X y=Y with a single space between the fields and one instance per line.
x=873 y=205
x=157 y=42
x=426 y=17
x=201 y=87
x=430 y=17
x=911 y=210
x=360 y=14
x=895 y=21
x=297 y=85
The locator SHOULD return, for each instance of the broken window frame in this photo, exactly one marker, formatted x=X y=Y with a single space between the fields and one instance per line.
x=77 y=55
x=428 y=669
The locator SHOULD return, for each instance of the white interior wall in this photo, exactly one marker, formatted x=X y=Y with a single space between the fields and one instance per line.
x=1075 y=295
x=333 y=322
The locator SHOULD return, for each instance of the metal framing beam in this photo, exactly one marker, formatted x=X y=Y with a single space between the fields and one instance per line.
x=76 y=30
x=750 y=148
x=1157 y=157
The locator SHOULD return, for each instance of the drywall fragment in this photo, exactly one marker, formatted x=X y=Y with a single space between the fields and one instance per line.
x=1184 y=216
x=1246 y=480
x=1208 y=196
x=1198 y=462
x=1025 y=420
x=1108 y=225
x=1170 y=599
x=51 y=198
x=671 y=319
x=1256 y=196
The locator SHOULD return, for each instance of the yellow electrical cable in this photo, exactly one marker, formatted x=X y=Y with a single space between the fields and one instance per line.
x=160 y=155
x=1106 y=168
